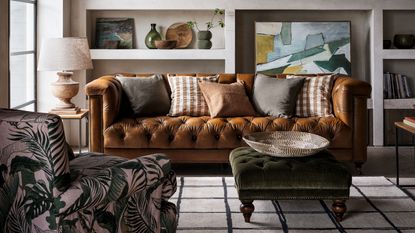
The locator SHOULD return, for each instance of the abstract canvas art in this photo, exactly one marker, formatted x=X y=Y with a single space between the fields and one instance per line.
x=302 y=47
x=114 y=33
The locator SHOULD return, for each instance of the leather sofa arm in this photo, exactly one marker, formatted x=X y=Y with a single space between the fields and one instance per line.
x=345 y=91
x=350 y=105
x=104 y=96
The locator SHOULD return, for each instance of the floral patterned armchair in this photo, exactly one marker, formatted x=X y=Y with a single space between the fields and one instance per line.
x=44 y=188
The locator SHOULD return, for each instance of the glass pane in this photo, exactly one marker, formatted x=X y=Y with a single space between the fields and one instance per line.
x=30 y=108
x=22 y=26
x=22 y=79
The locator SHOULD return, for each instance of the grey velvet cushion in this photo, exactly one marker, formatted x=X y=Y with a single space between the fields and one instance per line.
x=148 y=96
x=276 y=97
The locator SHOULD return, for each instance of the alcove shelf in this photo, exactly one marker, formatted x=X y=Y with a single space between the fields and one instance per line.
x=158 y=54
x=394 y=103
x=398 y=54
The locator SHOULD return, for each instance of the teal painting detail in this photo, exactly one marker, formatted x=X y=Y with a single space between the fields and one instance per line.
x=114 y=33
x=303 y=47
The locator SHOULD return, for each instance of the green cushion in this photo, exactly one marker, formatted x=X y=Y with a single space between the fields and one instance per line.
x=260 y=176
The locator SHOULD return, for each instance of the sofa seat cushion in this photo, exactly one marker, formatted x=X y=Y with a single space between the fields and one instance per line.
x=186 y=132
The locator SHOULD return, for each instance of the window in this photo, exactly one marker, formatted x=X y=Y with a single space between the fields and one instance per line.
x=23 y=54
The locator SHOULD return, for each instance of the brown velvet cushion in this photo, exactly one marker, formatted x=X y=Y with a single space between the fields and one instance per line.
x=226 y=100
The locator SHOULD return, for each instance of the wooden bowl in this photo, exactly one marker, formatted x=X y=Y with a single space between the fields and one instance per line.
x=165 y=44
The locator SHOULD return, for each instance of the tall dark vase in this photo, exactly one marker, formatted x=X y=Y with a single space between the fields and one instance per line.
x=152 y=36
x=204 y=39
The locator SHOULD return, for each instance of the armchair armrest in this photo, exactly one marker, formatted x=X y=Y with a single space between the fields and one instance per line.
x=350 y=105
x=104 y=96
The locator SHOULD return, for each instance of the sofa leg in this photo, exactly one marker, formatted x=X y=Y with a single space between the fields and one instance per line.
x=358 y=166
x=339 y=208
x=247 y=208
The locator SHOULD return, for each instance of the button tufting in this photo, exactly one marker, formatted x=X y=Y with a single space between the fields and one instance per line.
x=148 y=136
x=217 y=136
x=194 y=137
x=171 y=137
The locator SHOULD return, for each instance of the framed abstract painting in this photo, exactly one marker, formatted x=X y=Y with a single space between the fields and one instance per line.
x=114 y=33
x=302 y=47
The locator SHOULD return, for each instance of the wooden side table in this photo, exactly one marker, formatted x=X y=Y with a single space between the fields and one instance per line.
x=83 y=113
x=406 y=128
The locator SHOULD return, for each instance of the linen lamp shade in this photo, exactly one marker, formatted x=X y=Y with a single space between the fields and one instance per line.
x=65 y=55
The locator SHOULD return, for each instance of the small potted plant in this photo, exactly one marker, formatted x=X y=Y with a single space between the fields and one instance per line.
x=204 y=36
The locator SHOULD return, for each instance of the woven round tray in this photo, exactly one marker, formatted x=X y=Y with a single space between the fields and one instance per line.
x=286 y=143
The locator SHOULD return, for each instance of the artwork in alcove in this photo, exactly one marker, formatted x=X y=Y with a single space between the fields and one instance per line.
x=114 y=33
x=302 y=47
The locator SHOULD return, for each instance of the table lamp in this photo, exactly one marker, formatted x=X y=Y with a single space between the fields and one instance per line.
x=65 y=55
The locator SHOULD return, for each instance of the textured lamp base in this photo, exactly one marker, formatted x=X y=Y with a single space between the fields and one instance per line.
x=64 y=89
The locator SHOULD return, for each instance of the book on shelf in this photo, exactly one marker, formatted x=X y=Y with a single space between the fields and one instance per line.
x=411 y=119
x=396 y=86
x=410 y=123
x=408 y=90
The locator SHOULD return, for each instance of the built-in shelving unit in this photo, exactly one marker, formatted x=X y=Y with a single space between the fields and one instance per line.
x=385 y=18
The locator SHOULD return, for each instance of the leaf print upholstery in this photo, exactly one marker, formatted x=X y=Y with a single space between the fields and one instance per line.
x=44 y=188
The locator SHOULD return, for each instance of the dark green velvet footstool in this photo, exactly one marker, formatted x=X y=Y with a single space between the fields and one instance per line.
x=262 y=177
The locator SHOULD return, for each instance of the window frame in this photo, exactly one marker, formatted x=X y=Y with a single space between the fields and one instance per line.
x=25 y=52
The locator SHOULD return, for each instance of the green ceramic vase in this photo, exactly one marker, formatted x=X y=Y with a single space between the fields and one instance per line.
x=204 y=39
x=152 y=36
x=404 y=41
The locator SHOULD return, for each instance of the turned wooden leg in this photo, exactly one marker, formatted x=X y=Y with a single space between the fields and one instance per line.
x=358 y=166
x=339 y=208
x=247 y=208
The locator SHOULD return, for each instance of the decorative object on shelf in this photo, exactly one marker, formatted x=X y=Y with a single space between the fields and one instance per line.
x=114 y=33
x=181 y=33
x=396 y=86
x=404 y=41
x=409 y=121
x=387 y=44
x=286 y=143
x=165 y=44
x=203 y=39
x=152 y=36
x=65 y=54
x=302 y=47
x=204 y=36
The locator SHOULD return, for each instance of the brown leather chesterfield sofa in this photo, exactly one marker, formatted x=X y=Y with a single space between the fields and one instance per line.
x=114 y=130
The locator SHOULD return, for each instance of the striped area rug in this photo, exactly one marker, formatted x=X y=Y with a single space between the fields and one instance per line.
x=210 y=204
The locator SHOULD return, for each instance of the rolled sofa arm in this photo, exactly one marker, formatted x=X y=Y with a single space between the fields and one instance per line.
x=104 y=96
x=350 y=105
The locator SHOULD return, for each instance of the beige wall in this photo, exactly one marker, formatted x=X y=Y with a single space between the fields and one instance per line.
x=4 y=54
x=360 y=29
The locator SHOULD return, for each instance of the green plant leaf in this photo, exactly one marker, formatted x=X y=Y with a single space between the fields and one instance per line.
x=106 y=220
x=3 y=170
x=8 y=193
x=38 y=199
x=62 y=182
x=119 y=186
x=69 y=226
x=20 y=163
